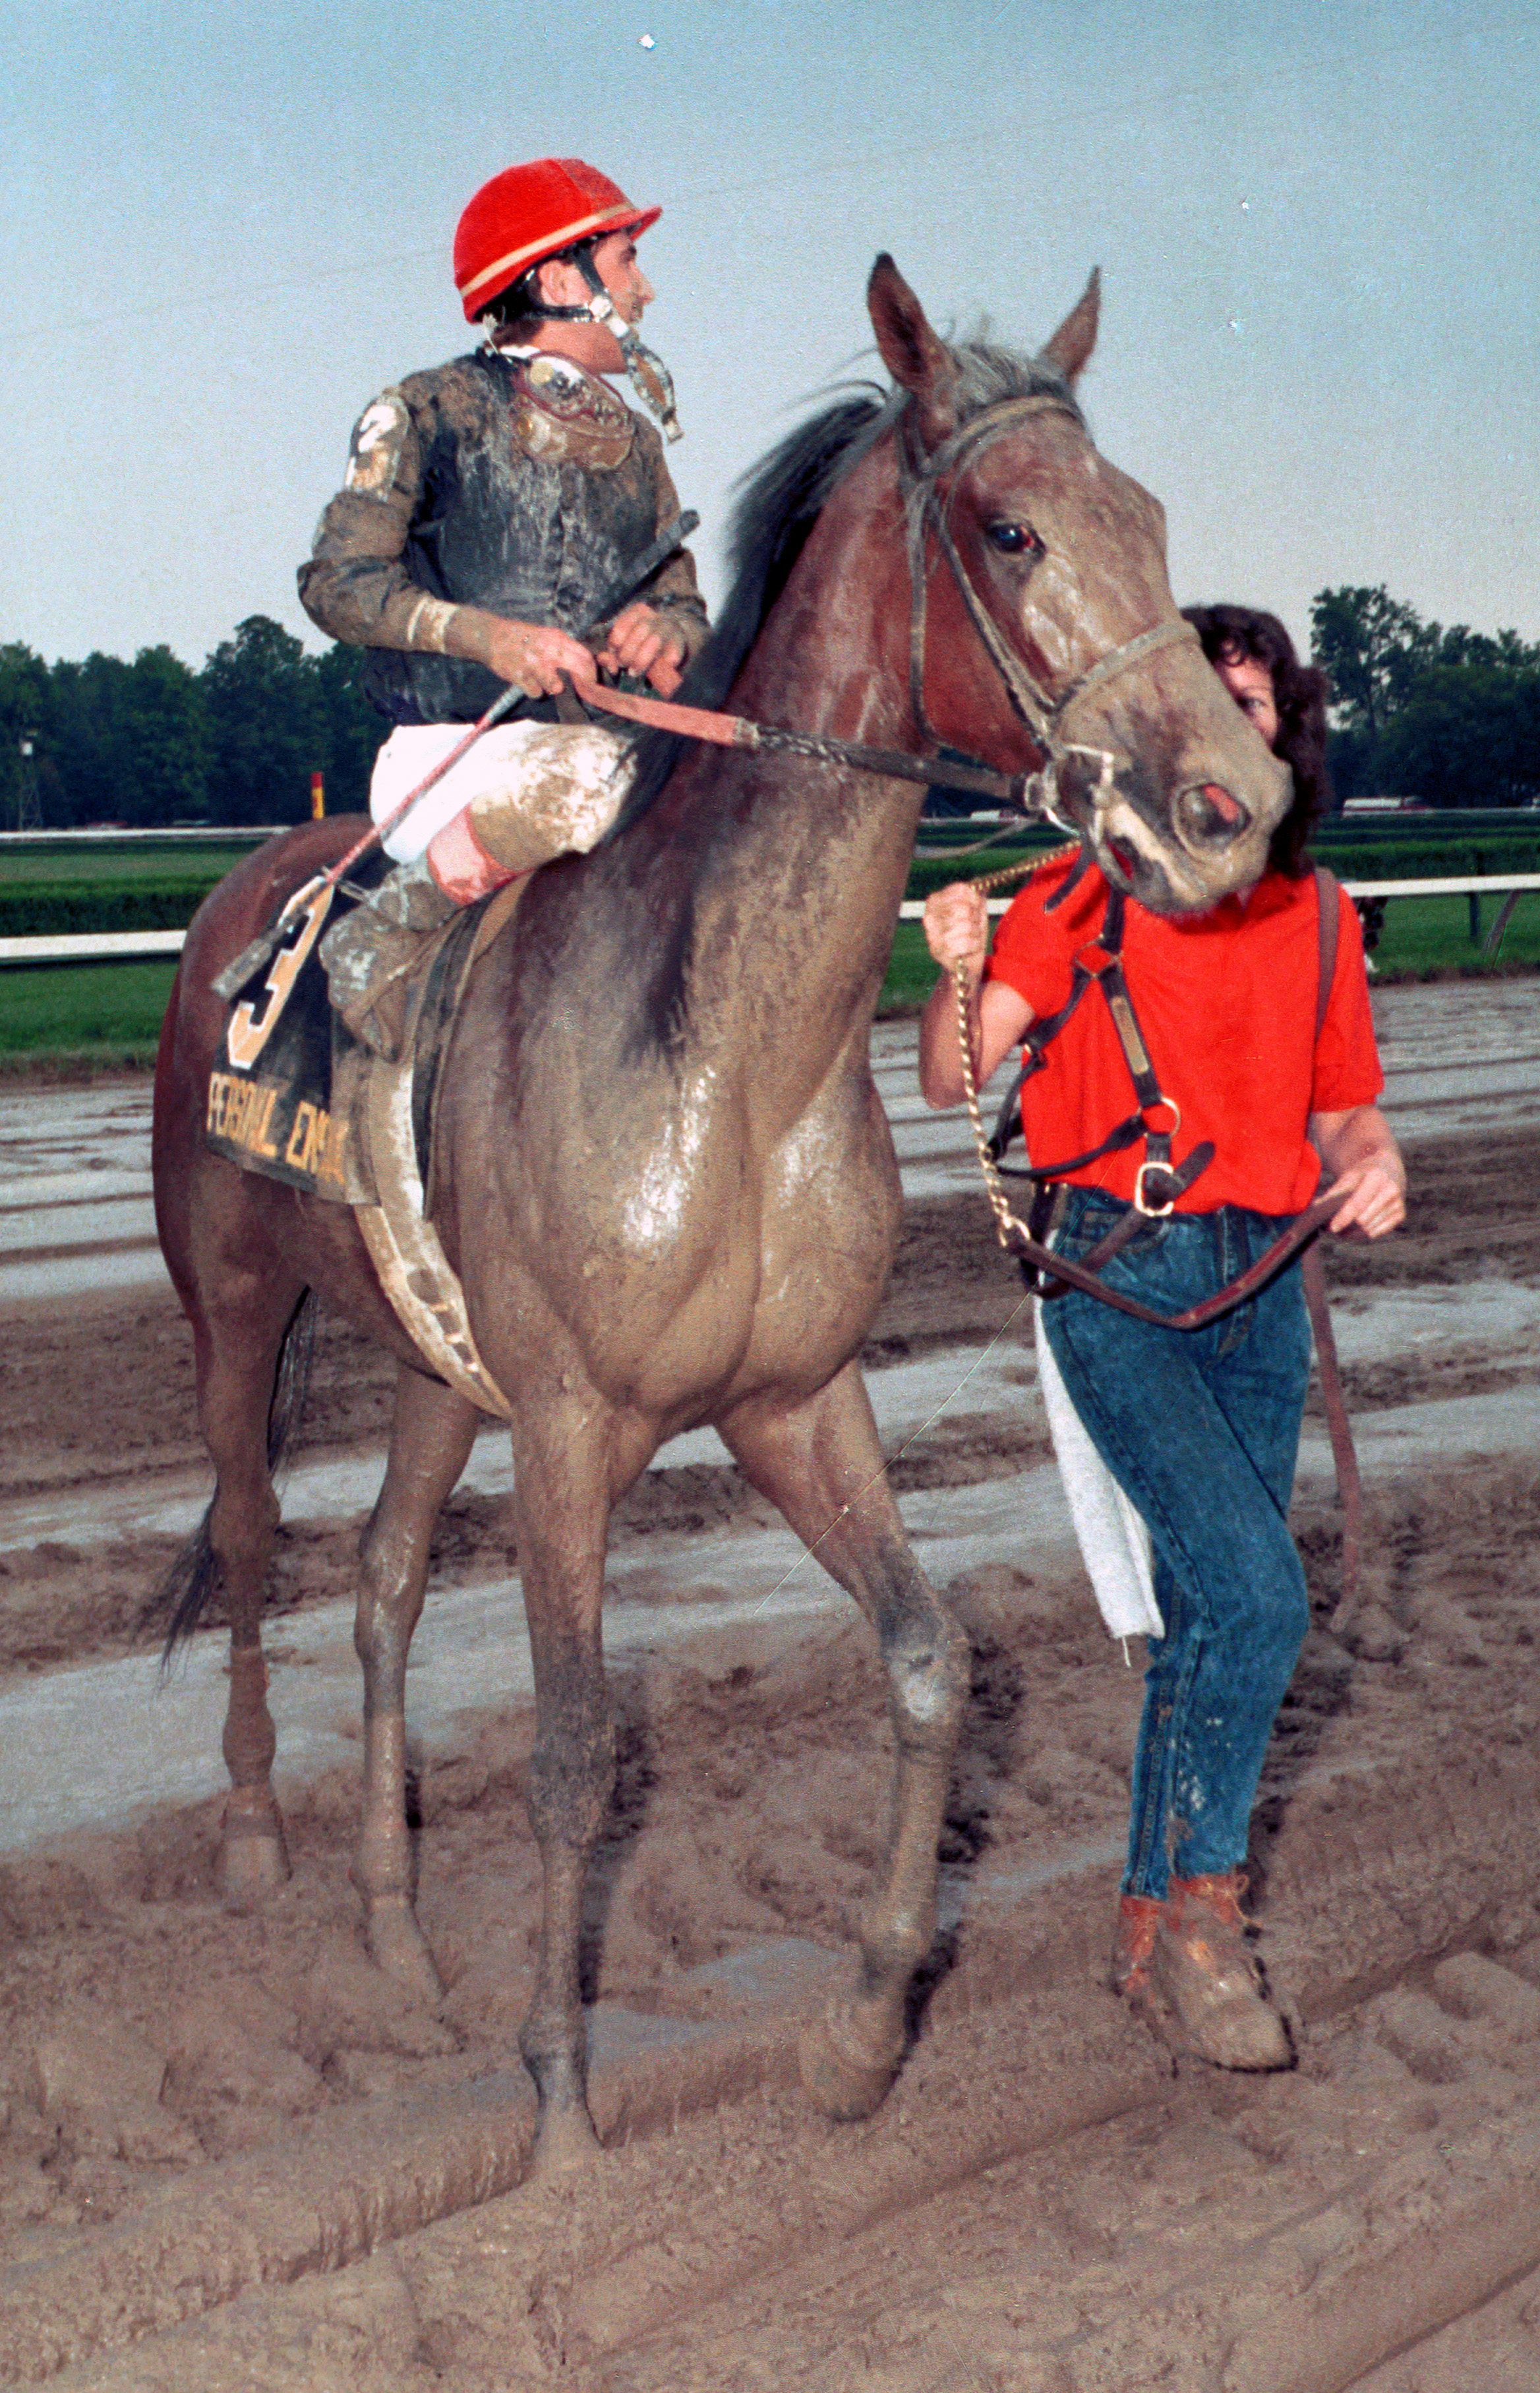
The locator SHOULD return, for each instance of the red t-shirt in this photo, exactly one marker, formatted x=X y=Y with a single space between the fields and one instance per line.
x=1226 y=1003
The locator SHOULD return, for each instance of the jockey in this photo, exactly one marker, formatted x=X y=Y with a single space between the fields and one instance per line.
x=488 y=515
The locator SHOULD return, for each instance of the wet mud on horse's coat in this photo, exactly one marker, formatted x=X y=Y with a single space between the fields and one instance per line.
x=664 y=1177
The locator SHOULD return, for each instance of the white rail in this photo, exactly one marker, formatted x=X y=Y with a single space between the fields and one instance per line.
x=1482 y=884
x=109 y=947
x=91 y=947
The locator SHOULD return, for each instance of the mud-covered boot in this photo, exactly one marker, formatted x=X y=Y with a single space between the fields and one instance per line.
x=1133 y=1942
x=1205 y=1970
x=368 y=954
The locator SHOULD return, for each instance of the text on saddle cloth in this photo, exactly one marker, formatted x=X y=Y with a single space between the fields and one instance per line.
x=270 y=1103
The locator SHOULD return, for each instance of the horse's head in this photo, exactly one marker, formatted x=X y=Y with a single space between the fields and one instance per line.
x=1047 y=624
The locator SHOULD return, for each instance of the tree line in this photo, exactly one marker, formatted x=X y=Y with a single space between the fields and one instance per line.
x=1452 y=717
x=156 y=742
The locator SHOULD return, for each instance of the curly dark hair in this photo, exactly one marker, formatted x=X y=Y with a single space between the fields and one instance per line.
x=1300 y=692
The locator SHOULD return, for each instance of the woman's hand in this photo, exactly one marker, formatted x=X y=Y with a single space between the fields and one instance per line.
x=957 y=932
x=1369 y=1177
x=957 y=928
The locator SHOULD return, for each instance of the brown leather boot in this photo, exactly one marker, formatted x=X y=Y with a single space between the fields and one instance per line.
x=1133 y=1942
x=1203 y=1967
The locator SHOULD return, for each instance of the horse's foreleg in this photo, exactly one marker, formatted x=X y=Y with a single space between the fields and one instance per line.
x=561 y=1505
x=822 y=1464
x=430 y=1441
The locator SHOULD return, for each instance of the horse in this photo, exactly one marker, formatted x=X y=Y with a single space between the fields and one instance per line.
x=663 y=1175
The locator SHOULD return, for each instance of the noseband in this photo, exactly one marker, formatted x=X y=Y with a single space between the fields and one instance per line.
x=923 y=481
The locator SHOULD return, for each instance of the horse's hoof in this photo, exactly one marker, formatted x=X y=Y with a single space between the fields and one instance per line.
x=565 y=2144
x=842 y=2076
x=397 y=1947
x=252 y=1865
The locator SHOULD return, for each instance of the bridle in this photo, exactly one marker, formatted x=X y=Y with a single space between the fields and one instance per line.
x=926 y=484
x=925 y=492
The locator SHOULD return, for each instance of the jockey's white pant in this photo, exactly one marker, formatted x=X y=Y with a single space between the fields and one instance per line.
x=540 y=789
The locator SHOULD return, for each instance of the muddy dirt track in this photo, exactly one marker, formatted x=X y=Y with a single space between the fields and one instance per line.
x=233 y=2158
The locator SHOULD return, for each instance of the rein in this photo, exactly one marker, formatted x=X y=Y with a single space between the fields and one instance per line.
x=920 y=477
x=925 y=485
x=1016 y=790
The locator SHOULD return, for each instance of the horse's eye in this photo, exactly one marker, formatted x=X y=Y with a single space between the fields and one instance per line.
x=1014 y=540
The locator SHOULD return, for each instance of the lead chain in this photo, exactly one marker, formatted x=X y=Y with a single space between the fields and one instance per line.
x=1000 y=1203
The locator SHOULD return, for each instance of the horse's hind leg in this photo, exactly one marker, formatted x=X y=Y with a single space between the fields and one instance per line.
x=430 y=1441
x=238 y=1356
x=822 y=1464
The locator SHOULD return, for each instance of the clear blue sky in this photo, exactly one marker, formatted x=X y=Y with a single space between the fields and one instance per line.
x=1318 y=226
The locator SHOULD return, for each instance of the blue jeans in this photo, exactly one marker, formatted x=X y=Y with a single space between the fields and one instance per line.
x=1201 y=1430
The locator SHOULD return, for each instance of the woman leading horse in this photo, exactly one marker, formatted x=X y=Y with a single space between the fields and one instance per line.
x=1200 y=1429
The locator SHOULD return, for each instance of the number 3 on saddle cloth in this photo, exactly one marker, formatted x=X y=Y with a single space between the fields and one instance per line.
x=284 y=1094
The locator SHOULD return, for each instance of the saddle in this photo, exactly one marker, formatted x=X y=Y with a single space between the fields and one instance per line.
x=295 y=1097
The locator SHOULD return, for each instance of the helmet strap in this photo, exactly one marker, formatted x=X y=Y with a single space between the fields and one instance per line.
x=646 y=372
x=648 y=376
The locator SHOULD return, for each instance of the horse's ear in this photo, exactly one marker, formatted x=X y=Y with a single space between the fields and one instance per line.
x=911 y=352
x=1076 y=338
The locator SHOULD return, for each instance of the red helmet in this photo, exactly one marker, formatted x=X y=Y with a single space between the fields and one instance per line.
x=533 y=212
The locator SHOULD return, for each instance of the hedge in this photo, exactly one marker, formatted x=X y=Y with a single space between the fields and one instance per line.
x=41 y=908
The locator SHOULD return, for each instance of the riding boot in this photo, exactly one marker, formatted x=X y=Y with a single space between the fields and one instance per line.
x=368 y=954
x=1203 y=1965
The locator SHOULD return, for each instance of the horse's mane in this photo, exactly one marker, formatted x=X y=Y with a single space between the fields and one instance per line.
x=779 y=502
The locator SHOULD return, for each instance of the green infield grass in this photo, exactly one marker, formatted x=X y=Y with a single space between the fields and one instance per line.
x=106 y=1014
x=1424 y=936
x=107 y=861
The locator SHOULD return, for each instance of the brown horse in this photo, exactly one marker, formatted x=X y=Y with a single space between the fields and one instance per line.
x=664 y=1177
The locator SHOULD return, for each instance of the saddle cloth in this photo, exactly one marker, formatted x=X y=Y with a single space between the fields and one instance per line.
x=270 y=1098
x=295 y=1097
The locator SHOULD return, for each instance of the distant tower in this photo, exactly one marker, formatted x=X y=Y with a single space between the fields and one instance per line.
x=29 y=812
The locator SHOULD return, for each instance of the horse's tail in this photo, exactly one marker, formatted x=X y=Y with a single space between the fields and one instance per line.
x=188 y=1585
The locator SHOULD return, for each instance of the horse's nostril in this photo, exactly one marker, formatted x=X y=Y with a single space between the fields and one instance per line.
x=1210 y=816
x=1222 y=803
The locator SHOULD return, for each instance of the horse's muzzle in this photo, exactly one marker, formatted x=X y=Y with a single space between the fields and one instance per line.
x=1208 y=816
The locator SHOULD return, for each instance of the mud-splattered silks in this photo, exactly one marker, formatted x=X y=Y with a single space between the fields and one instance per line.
x=518 y=484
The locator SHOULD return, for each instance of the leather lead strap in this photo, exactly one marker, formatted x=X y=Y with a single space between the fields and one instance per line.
x=1350 y=1485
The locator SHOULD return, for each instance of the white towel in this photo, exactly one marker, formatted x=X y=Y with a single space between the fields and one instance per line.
x=1114 y=1541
